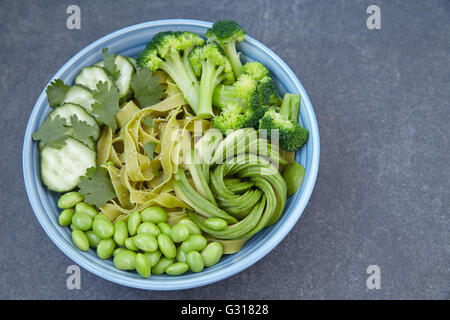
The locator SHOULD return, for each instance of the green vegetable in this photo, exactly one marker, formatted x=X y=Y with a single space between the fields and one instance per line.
x=164 y=228
x=109 y=64
x=193 y=228
x=146 y=88
x=148 y=121
x=130 y=245
x=149 y=148
x=118 y=250
x=177 y=268
x=143 y=265
x=52 y=132
x=134 y=220
x=162 y=265
x=154 y=215
x=194 y=242
x=226 y=33
x=105 y=248
x=166 y=246
x=179 y=232
x=85 y=208
x=293 y=175
x=107 y=104
x=195 y=261
x=82 y=221
x=103 y=228
x=56 y=92
x=96 y=187
x=81 y=130
x=65 y=218
x=125 y=260
x=146 y=242
x=216 y=224
x=292 y=135
x=212 y=253
x=181 y=255
x=69 y=200
x=153 y=257
x=148 y=227
x=93 y=239
x=80 y=240
x=120 y=232
x=169 y=52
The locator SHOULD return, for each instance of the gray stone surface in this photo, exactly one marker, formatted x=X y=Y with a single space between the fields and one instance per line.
x=381 y=98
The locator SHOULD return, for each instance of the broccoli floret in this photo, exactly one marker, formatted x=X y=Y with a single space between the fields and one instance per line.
x=169 y=51
x=226 y=33
x=231 y=118
x=267 y=92
x=256 y=70
x=292 y=135
x=212 y=67
x=241 y=92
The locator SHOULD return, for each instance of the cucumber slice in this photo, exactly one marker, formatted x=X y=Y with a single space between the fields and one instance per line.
x=88 y=142
x=89 y=76
x=61 y=169
x=80 y=95
x=126 y=68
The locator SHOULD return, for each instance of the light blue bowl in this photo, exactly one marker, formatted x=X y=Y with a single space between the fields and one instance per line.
x=130 y=41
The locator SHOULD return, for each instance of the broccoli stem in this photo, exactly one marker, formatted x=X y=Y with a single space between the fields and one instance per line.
x=176 y=69
x=290 y=107
x=223 y=95
x=233 y=56
x=211 y=77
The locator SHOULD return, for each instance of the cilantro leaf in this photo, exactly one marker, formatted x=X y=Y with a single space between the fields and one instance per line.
x=107 y=104
x=56 y=92
x=96 y=187
x=52 y=132
x=149 y=148
x=148 y=121
x=81 y=129
x=109 y=64
x=146 y=87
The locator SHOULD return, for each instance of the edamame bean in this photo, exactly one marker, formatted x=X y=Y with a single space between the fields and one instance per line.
x=65 y=218
x=93 y=239
x=134 y=220
x=193 y=228
x=153 y=257
x=195 y=261
x=212 y=253
x=82 y=221
x=129 y=244
x=148 y=227
x=195 y=242
x=118 y=250
x=105 y=248
x=125 y=260
x=162 y=265
x=166 y=246
x=293 y=175
x=216 y=224
x=146 y=242
x=164 y=228
x=154 y=214
x=179 y=232
x=69 y=200
x=181 y=255
x=72 y=227
x=142 y=265
x=102 y=227
x=177 y=268
x=85 y=208
x=120 y=232
x=80 y=240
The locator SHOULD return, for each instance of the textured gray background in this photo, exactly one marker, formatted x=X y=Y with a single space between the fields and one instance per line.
x=382 y=103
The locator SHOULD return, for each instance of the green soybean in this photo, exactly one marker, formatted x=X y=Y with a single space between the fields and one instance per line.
x=125 y=260
x=293 y=175
x=179 y=232
x=194 y=242
x=181 y=255
x=105 y=248
x=118 y=250
x=166 y=246
x=164 y=228
x=162 y=265
x=72 y=227
x=195 y=261
x=129 y=244
x=80 y=240
x=153 y=257
x=154 y=214
x=142 y=265
x=86 y=208
x=193 y=228
x=102 y=227
x=134 y=220
x=93 y=239
x=177 y=268
x=69 y=200
x=148 y=227
x=146 y=242
x=65 y=218
x=216 y=224
x=82 y=221
x=212 y=253
x=120 y=232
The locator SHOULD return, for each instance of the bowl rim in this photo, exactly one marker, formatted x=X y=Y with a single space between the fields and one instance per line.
x=300 y=201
